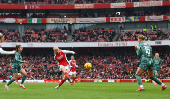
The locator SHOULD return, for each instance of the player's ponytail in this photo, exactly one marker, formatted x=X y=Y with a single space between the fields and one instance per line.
x=16 y=48
x=142 y=37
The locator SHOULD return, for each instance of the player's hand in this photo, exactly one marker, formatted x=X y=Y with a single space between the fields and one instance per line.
x=136 y=47
x=74 y=52
x=156 y=73
x=25 y=61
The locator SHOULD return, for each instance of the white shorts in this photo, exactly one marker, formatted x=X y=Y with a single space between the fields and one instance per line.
x=71 y=73
x=66 y=67
x=19 y=73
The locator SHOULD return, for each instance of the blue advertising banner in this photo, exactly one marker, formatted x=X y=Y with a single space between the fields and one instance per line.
x=132 y=19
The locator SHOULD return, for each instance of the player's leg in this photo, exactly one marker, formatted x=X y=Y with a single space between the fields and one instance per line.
x=137 y=75
x=74 y=77
x=15 y=74
x=156 y=75
x=151 y=75
x=66 y=76
x=19 y=76
x=71 y=76
x=12 y=80
x=22 y=71
x=17 y=79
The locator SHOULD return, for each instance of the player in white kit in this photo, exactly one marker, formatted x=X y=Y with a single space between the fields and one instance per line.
x=73 y=70
x=63 y=63
x=1 y=50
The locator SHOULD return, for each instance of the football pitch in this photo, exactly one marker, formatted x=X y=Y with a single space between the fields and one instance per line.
x=87 y=90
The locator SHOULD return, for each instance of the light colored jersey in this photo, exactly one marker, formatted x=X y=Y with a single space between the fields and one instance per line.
x=6 y=52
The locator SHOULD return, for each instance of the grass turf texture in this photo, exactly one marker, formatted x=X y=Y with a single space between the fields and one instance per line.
x=84 y=91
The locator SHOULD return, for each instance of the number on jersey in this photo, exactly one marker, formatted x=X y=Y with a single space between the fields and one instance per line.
x=148 y=52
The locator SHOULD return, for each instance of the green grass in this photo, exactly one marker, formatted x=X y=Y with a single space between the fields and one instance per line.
x=84 y=91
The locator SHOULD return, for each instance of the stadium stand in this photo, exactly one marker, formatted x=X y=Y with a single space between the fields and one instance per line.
x=41 y=35
x=81 y=35
x=132 y=35
x=10 y=35
x=116 y=64
x=93 y=35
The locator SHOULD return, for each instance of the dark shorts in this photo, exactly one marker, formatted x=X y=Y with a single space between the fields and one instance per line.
x=16 y=69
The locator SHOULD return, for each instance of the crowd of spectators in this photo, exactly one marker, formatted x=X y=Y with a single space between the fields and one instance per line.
x=10 y=35
x=166 y=36
x=133 y=35
x=93 y=35
x=42 y=35
x=81 y=35
x=116 y=65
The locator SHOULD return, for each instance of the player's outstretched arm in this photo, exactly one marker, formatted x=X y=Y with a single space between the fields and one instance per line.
x=6 y=52
x=68 y=52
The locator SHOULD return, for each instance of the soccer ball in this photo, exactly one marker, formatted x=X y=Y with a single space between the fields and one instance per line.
x=87 y=66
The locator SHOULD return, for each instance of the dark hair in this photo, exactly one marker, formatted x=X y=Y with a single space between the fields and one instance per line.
x=17 y=46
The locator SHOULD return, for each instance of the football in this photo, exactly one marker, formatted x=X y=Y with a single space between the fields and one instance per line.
x=88 y=66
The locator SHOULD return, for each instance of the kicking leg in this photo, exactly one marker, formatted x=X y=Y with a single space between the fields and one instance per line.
x=151 y=75
x=66 y=76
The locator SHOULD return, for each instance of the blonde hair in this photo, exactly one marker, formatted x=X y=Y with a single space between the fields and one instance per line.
x=157 y=54
x=142 y=37
x=1 y=35
x=55 y=47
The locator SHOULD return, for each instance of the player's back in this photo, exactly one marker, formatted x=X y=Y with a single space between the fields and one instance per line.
x=146 y=50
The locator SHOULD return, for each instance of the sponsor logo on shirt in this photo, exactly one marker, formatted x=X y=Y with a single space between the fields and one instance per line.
x=60 y=57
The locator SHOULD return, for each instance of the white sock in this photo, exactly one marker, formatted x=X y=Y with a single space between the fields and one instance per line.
x=141 y=86
x=154 y=82
x=162 y=84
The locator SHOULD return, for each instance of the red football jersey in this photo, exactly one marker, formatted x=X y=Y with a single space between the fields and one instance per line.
x=61 y=58
x=73 y=64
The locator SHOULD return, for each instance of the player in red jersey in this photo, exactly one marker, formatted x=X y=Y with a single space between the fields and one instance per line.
x=63 y=63
x=19 y=77
x=73 y=70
